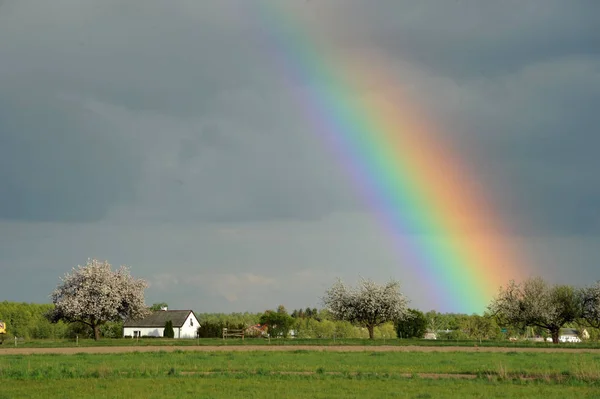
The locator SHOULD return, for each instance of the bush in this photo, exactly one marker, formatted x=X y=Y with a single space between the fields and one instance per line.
x=112 y=329
x=213 y=329
x=78 y=329
x=279 y=322
x=413 y=325
x=169 y=332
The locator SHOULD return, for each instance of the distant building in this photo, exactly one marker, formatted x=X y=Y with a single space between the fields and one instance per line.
x=257 y=330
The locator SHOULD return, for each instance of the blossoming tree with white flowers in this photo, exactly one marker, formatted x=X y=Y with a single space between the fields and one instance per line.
x=94 y=294
x=591 y=304
x=368 y=305
x=534 y=302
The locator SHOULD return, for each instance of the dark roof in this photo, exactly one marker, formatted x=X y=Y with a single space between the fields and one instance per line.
x=569 y=331
x=159 y=318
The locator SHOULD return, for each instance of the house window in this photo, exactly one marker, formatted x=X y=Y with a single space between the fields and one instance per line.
x=191 y=323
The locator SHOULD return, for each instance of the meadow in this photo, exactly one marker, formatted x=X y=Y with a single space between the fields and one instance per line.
x=302 y=373
x=128 y=342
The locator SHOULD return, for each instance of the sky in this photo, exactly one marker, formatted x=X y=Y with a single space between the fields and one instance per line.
x=163 y=136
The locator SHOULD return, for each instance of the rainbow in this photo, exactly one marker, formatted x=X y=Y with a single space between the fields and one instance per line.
x=439 y=221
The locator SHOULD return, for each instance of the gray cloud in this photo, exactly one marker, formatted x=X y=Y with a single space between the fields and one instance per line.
x=169 y=132
x=470 y=38
x=58 y=162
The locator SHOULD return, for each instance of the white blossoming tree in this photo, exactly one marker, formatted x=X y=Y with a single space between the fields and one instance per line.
x=535 y=303
x=368 y=305
x=94 y=294
x=591 y=304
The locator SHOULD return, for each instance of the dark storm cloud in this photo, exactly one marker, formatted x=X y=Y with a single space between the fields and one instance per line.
x=58 y=162
x=533 y=134
x=229 y=148
x=169 y=128
x=472 y=38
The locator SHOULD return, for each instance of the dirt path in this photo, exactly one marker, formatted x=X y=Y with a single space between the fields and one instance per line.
x=281 y=348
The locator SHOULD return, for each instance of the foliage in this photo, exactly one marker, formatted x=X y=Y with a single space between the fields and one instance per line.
x=325 y=329
x=369 y=304
x=231 y=319
x=168 y=331
x=594 y=334
x=27 y=320
x=158 y=306
x=307 y=313
x=412 y=325
x=279 y=322
x=590 y=298
x=479 y=327
x=93 y=294
x=535 y=303
x=112 y=329
x=214 y=329
x=385 y=331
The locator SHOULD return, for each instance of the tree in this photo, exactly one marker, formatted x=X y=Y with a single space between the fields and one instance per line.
x=436 y=321
x=368 y=305
x=159 y=306
x=479 y=327
x=94 y=294
x=535 y=303
x=279 y=322
x=169 y=332
x=412 y=325
x=590 y=309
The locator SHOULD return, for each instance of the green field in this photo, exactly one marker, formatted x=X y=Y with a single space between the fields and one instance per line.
x=302 y=373
x=64 y=343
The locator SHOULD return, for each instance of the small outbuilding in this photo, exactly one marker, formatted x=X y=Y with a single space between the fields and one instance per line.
x=185 y=324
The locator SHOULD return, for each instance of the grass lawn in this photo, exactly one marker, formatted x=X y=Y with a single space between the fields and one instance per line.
x=291 y=387
x=303 y=374
x=60 y=343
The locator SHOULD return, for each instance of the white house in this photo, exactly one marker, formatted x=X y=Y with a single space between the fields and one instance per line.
x=184 y=322
x=571 y=335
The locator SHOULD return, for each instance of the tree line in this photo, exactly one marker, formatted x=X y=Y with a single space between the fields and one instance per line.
x=535 y=303
x=29 y=320
x=94 y=299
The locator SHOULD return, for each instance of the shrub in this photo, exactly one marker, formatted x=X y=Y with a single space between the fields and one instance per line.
x=169 y=332
x=412 y=325
x=210 y=329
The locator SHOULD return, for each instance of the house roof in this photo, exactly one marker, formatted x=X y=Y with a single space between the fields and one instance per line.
x=159 y=318
x=569 y=331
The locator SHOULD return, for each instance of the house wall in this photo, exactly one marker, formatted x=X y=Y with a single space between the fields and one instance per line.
x=145 y=331
x=188 y=330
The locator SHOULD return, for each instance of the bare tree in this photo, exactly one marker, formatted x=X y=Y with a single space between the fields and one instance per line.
x=590 y=300
x=368 y=305
x=94 y=294
x=535 y=303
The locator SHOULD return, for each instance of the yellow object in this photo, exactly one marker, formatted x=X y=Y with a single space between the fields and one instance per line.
x=2 y=327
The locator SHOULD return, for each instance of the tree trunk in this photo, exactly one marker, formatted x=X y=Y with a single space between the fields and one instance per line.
x=96 y=332
x=555 y=333
x=371 y=331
